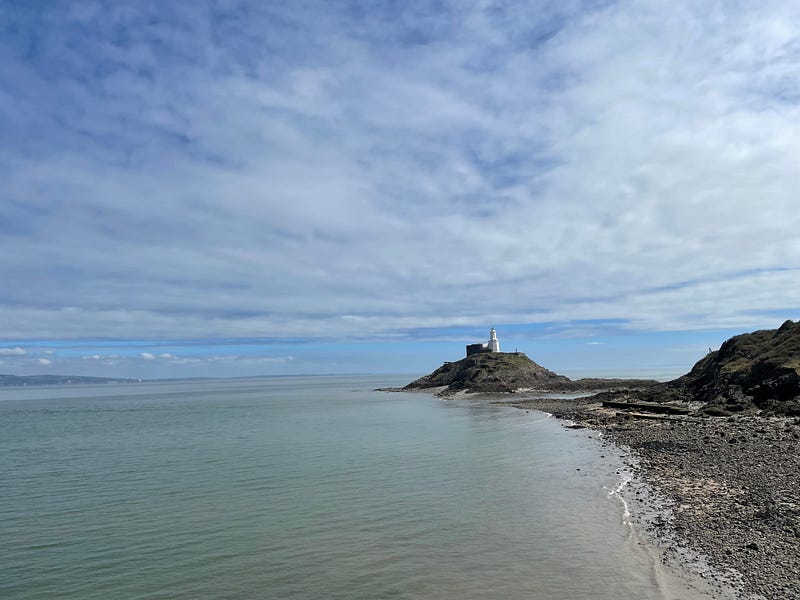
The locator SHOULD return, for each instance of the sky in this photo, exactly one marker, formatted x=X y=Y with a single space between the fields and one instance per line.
x=226 y=188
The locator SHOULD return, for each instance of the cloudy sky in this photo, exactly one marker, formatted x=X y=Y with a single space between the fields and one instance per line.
x=237 y=188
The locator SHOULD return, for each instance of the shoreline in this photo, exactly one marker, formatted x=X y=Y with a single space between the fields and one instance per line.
x=717 y=498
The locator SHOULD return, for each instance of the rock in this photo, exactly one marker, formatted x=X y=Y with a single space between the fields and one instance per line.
x=504 y=372
x=490 y=372
x=756 y=372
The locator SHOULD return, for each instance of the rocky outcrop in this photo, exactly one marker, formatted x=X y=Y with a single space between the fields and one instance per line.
x=755 y=372
x=758 y=370
x=504 y=372
x=489 y=372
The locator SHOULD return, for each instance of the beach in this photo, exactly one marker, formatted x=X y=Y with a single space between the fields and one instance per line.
x=724 y=500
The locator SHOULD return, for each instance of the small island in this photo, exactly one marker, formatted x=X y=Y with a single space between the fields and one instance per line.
x=486 y=370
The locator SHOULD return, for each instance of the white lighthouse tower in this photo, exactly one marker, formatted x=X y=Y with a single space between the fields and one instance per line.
x=494 y=345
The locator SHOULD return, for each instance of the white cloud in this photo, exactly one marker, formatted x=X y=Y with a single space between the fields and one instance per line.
x=546 y=163
x=147 y=356
x=12 y=352
x=253 y=360
x=44 y=361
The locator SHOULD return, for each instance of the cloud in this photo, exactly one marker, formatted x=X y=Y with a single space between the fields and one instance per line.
x=252 y=360
x=43 y=361
x=292 y=171
x=166 y=357
x=12 y=352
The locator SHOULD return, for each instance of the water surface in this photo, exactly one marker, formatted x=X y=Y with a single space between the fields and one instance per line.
x=305 y=488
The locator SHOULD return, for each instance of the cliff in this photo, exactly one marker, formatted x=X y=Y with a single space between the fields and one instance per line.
x=759 y=370
x=755 y=372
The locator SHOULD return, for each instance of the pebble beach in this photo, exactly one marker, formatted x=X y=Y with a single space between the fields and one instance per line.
x=728 y=490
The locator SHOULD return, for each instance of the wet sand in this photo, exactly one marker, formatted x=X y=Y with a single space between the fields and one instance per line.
x=718 y=497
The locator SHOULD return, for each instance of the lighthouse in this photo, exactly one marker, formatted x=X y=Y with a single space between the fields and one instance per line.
x=494 y=345
x=491 y=346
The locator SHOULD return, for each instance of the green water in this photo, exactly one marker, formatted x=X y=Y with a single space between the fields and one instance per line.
x=302 y=488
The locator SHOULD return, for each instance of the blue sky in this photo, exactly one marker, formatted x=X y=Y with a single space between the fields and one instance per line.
x=241 y=188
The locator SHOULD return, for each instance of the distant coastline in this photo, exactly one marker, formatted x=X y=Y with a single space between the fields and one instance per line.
x=7 y=380
x=30 y=380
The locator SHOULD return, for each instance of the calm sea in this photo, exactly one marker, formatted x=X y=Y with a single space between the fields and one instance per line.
x=304 y=488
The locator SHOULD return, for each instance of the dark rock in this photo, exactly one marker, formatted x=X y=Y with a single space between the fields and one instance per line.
x=505 y=372
x=490 y=372
x=755 y=372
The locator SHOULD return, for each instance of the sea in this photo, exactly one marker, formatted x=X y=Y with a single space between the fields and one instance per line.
x=305 y=488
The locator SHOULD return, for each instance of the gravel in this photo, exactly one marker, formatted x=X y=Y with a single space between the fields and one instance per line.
x=732 y=485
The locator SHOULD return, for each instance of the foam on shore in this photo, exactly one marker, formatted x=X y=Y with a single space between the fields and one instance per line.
x=676 y=568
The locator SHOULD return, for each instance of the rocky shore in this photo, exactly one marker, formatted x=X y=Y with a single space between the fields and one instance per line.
x=731 y=485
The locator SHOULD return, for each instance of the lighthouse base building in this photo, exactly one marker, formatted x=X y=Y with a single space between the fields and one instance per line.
x=493 y=345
